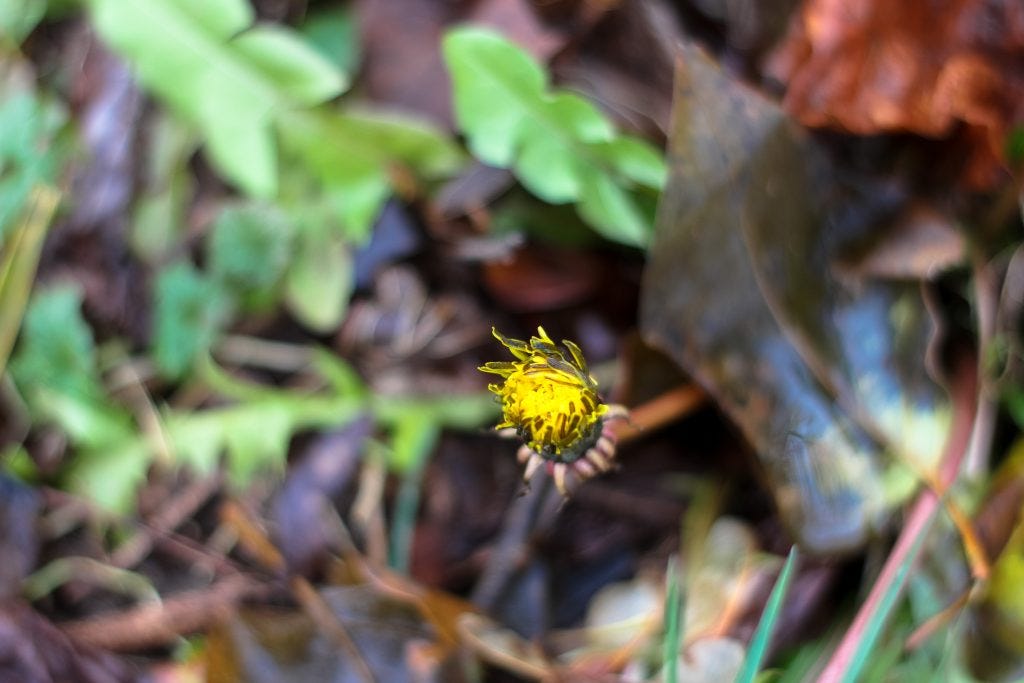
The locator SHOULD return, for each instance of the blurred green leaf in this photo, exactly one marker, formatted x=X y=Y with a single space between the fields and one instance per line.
x=56 y=351
x=415 y=433
x=456 y=411
x=351 y=153
x=190 y=311
x=31 y=149
x=341 y=376
x=110 y=476
x=334 y=34
x=111 y=457
x=232 y=81
x=320 y=280
x=254 y=434
x=249 y=250
x=518 y=212
x=159 y=217
x=16 y=462
x=559 y=145
x=19 y=17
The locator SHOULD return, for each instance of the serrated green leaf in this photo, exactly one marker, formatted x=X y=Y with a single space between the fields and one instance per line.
x=111 y=457
x=457 y=411
x=90 y=423
x=256 y=438
x=254 y=434
x=231 y=82
x=249 y=249
x=56 y=351
x=559 y=145
x=190 y=310
x=110 y=476
x=351 y=154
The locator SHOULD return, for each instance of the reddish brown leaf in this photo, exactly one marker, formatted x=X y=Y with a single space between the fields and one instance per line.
x=871 y=66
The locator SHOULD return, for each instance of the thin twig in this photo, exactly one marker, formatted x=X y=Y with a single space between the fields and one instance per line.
x=663 y=409
x=314 y=605
x=172 y=515
x=158 y=624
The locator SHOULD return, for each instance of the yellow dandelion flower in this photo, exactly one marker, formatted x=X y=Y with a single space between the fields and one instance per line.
x=550 y=399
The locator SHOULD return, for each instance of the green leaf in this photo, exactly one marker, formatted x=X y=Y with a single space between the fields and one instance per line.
x=249 y=250
x=351 y=153
x=110 y=476
x=19 y=17
x=465 y=411
x=31 y=148
x=190 y=310
x=559 y=145
x=159 y=217
x=56 y=351
x=111 y=457
x=232 y=81
x=334 y=34
x=320 y=281
x=255 y=434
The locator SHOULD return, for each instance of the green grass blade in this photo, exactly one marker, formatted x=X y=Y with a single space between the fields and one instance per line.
x=850 y=658
x=673 y=617
x=765 y=627
x=880 y=617
x=414 y=439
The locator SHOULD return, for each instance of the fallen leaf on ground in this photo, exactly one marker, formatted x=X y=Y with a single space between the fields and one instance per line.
x=870 y=66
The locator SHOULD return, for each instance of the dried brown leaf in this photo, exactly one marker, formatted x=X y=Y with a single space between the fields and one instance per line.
x=871 y=66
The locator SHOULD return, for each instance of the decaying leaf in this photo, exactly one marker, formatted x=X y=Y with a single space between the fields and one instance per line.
x=870 y=66
x=739 y=289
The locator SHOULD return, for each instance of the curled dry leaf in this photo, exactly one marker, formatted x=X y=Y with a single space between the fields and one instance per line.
x=870 y=66
x=739 y=289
